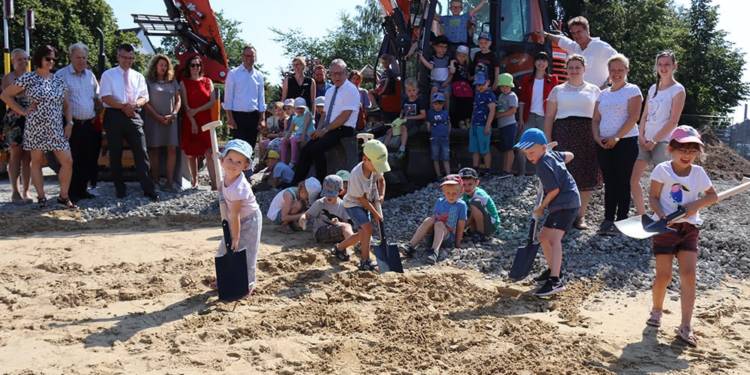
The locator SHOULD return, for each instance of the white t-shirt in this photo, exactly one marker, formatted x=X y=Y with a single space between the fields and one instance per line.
x=537 y=97
x=597 y=53
x=660 y=110
x=613 y=108
x=578 y=101
x=360 y=186
x=278 y=200
x=680 y=190
x=347 y=99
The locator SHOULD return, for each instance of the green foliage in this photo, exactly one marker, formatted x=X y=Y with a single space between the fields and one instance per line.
x=230 y=34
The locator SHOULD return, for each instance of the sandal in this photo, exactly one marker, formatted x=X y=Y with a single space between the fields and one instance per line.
x=686 y=334
x=42 y=202
x=655 y=319
x=580 y=224
x=342 y=255
x=366 y=265
x=66 y=202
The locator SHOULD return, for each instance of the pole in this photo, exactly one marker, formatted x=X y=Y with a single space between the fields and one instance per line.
x=7 y=14
x=102 y=55
x=28 y=27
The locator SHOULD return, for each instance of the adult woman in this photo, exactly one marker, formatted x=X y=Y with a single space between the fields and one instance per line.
x=661 y=114
x=532 y=99
x=567 y=120
x=160 y=123
x=198 y=97
x=616 y=134
x=299 y=86
x=48 y=100
x=12 y=132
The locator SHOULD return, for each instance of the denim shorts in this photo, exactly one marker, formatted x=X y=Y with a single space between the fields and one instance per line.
x=359 y=215
x=478 y=141
x=440 y=148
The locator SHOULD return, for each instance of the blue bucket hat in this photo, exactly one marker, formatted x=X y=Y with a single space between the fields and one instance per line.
x=240 y=146
x=530 y=138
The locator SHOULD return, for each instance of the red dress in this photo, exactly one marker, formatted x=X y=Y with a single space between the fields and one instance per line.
x=198 y=93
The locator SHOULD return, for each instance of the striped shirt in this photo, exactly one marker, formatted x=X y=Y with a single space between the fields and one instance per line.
x=83 y=90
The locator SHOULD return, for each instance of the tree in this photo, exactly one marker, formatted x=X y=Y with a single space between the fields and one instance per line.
x=230 y=34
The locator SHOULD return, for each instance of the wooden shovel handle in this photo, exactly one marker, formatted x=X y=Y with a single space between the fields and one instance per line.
x=741 y=188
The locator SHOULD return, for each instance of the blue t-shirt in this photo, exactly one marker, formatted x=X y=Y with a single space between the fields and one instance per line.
x=481 y=109
x=299 y=122
x=456 y=27
x=450 y=213
x=283 y=172
x=438 y=123
x=554 y=174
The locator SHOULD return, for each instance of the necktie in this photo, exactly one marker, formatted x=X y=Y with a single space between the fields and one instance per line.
x=330 y=105
x=128 y=89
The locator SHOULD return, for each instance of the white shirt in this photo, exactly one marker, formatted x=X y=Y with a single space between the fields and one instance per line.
x=660 y=110
x=574 y=101
x=83 y=89
x=347 y=99
x=613 y=108
x=113 y=84
x=679 y=190
x=240 y=190
x=537 y=97
x=244 y=91
x=597 y=53
x=361 y=186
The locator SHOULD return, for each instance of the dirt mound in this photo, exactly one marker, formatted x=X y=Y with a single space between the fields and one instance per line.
x=721 y=161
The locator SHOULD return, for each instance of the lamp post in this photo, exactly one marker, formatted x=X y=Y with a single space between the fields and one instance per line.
x=7 y=15
x=28 y=27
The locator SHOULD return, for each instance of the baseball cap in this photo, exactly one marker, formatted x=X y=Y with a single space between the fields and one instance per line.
x=686 y=134
x=272 y=154
x=289 y=102
x=332 y=185
x=485 y=35
x=462 y=49
x=480 y=79
x=378 y=154
x=321 y=100
x=530 y=138
x=344 y=174
x=312 y=185
x=452 y=179
x=240 y=146
x=300 y=103
x=438 y=97
x=505 y=79
x=467 y=172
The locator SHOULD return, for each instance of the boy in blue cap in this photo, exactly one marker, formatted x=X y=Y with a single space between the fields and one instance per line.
x=481 y=123
x=560 y=196
x=437 y=126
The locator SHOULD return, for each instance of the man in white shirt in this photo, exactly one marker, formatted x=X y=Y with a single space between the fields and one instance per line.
x=596 y=51
x=341 y=110
x=85 y=140
x=124 y=93
x=244 y=98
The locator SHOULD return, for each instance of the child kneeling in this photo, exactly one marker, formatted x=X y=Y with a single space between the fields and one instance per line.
x=289 y=204
x=330 y=220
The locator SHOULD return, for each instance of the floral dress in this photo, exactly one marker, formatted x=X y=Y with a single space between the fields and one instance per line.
x=44 y=125
x=13 y=124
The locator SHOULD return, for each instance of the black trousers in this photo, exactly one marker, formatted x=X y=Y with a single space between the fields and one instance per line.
x=85 y=143
x=247 y=126
x=315 y=152
x=617 y=166
x=119 y=127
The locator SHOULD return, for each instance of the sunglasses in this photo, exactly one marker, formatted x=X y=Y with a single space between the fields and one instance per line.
x=49 y=59
x=195 y=65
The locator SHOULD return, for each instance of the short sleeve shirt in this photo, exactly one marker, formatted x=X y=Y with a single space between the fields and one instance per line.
x=456 y=28
x=554 y=174
x=323 y=213
x=450 y=213
x=481 y=109
x=613 y=108
x=283 y=172
x=679 y=191
x=440 y=71
x=347 y=99
x=360 y=186
x=597 y=53
x=241 y=190
x=438 y=120
x=485 y=62
x=660 y=109
x=574 y=101
x=504 y=103
x=481 y=196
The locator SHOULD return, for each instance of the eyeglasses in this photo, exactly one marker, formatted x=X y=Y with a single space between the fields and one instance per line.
x=195 y=65
x=688 y=151
x=49 y=59
x=126 y=57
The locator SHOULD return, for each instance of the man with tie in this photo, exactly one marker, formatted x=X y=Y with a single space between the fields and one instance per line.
x=341 y=110
x=124 y=93
x=244 y=98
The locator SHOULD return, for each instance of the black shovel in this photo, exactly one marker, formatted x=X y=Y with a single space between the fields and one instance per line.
x=525 y=255
x=388 y=256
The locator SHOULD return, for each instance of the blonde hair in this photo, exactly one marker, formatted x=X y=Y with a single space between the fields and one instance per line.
x=576 y=57
x=621 y=58
x=277 y=105
x=152 y=74
x=580 y=21
x=411 y=82
x=299 y=59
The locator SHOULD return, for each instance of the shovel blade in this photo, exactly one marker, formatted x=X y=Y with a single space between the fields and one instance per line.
x=639 y=227
x=388 y=258
x=231 y=275
x=523 y=262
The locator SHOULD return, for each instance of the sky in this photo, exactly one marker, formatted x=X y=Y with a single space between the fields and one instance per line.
x=315 y=17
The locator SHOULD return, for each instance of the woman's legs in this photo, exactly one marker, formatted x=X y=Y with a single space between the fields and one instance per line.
x=193 y=166
x=585 y=199
x=37 y=178
x=25 y=172
x=14 y=169
x=153 y=157
x=171 y=165
x=66 y=171
x=661 y=281
x=636 y=191
x=211 y=171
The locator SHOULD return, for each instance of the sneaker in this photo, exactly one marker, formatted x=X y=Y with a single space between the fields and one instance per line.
x=550 y=287
x=366 y=265
x=432 y=257
x=544 y=276
x=478 y=237
x=409 y=251
x=400 y=154
x=607 y=228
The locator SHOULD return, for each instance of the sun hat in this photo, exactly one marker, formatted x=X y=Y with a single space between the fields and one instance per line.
x=378 y=155
x=467 y=172
x=505 y=79
x=344 y=174
x=300 y=103
x=312 y=185
x=438 y=97
x=272 y=154
x=321 y=100
x=289 y=102
x=240 y=146
x=530 y=138
x=462 y=49
x=452 y=179
x=332 y=185
x=686 y=134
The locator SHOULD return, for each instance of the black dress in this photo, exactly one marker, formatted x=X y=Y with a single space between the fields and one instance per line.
x=295 y=90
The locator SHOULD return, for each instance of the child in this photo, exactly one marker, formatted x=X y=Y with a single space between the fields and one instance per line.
x=560 y=196
x=413 y=111
x=344 y=174
x=485 y=60
x=288 y=205
x=278 y=173
x=447 y=221
x=274 y=127
x=437 y=126
x=386 y=84
x=481 y=123
x=462 y=94
x=679 y=183
x=320 y=112
x=507 y=104
x=483 y=219
x=242 y=210
x=364 y=99
x=456 y=26
x=440 y=75
x=300 y=130
x=362 y=201
x=330 y=223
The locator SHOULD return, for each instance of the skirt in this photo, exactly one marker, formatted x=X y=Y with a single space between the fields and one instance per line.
x=573 y=134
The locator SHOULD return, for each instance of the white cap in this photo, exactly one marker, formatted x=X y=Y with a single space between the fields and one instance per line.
x=300 y=103
x=321 y=100
x=289 y=102
x=312 y=185
x=462 y=49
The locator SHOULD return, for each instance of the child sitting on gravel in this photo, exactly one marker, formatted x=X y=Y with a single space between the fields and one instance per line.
x=278 y=173
x=679 y=183
x=560 y=196
x=483 y=220
x=446 y=223
x=243 y=213
x=330 y=220
x=362 y=201
x=289 y=204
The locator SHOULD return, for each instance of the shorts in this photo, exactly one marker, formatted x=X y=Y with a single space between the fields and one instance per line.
x=684 y=238
x=329 y=233
x=359 y=215
x=561 y=219
x=440 y=148
x=439 y=85
x=507 y=137
x=478 y=141
x=658 y=155
x=489 y=226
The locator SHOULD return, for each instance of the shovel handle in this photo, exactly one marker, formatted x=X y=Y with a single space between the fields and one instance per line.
x=741 y=188
x=381 y=225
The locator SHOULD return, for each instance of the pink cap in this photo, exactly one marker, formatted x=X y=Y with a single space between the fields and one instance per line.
x=686 y=134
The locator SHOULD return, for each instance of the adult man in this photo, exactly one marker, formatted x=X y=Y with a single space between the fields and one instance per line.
x=321 y=84
x=341 y=110
x=85 y=140
x=596 y=51
x=245 y=98
x=124 y=93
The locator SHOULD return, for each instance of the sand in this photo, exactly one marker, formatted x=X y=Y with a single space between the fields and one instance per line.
x=137 y=301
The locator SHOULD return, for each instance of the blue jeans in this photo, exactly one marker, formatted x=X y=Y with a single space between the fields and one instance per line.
x=440 y=148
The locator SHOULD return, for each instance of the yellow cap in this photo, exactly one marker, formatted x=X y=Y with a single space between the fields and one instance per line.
x=378 y=154
x=272 y=154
